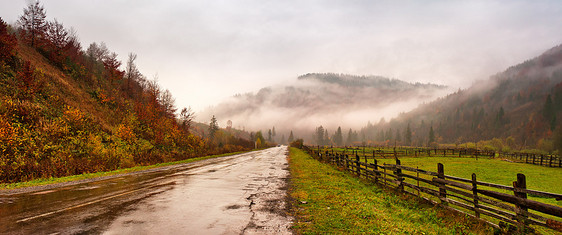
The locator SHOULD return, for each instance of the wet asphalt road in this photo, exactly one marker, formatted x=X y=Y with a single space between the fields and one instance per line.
x=241 y=194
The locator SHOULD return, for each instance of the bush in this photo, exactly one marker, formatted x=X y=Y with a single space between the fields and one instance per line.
x=298 y=143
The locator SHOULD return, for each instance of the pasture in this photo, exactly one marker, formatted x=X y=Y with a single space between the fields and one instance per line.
x=497 y=197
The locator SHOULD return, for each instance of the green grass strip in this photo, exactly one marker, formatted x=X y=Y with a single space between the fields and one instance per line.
x=46 y=181
x=325 y=200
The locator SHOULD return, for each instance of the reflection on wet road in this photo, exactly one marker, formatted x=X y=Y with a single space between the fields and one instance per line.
x=241 y=194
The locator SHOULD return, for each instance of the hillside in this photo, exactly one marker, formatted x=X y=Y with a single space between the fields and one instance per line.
x=323 y=99
x=65 y=110
x=520 y=107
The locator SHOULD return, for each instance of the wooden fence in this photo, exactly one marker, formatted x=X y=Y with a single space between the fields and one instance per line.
x=536 y=159
x=529 y=158
x=488 y=202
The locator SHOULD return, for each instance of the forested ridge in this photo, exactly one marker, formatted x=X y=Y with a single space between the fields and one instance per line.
x=67 y=110
x=518 y=109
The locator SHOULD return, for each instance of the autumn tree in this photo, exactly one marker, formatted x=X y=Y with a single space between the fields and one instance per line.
x=186 y=118
x=167 y=102
x=260 y=141
x=57 y=34
x=132 y=74
x=112 y=64
x=29 y=81
x=8 y=44
x=229 y=125
x=33 y=22
x=97 y=52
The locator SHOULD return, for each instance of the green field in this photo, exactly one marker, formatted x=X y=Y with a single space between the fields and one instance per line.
x=328 y=201
x=487 y=169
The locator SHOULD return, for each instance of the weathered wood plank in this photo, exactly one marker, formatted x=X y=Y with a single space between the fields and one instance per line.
x=452 y=183
x=538 y=206
x=417 y=170
x=422 y=189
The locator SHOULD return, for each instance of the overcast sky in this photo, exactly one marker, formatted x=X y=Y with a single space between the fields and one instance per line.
x=204 y=51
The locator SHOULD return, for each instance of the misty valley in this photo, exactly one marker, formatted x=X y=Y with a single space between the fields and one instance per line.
x=259 y=123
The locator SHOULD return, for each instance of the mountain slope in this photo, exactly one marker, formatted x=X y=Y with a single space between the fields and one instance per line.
x=66 y=111
x=521 y=105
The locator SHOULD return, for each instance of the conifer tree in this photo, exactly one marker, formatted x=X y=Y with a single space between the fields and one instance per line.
x=431 y=135
x=213 y=127
x=408 y=135
x=291 y=137
x=549 y=112
x=338 y=137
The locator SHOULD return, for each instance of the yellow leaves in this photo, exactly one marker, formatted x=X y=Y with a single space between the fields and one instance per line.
x=76 y=119
x=73 y=115
x=103 y=98
x=7 y=132
x=55 y=128
x=125 y=133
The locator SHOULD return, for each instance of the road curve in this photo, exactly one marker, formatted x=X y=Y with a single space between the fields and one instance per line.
x=240 y=194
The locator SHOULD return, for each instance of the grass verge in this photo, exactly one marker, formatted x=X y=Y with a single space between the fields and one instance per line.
x=326 y=200
x=47 y=181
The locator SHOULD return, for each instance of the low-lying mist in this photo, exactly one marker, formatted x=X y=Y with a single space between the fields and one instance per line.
x=330 y=100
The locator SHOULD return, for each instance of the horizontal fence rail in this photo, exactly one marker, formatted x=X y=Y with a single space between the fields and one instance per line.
x=401 y=151
x=498 y=205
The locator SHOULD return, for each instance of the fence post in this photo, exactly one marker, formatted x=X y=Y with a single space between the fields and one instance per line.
x=357 y=165
x=442 y=191
x=346 y=162
x=398 y=173
x=550 y=162
x=336 y=159
x=418 y=179
x=475 y=195
x=541 y=159
x=534 y=159
x=521 y=183
x=376 y=168
x=384 y=175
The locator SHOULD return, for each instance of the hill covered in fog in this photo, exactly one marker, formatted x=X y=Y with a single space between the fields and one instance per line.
x=521 y=107
x=327 y=99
